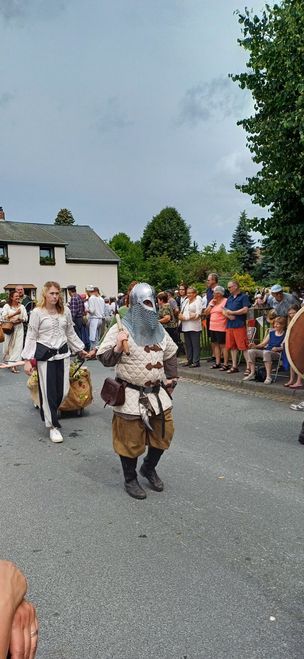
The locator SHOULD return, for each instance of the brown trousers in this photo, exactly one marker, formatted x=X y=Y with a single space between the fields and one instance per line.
x=130 y=437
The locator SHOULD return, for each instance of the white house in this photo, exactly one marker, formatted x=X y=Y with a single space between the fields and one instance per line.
x=31 y=254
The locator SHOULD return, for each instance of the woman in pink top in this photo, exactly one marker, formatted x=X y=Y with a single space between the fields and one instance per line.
x=218 y=324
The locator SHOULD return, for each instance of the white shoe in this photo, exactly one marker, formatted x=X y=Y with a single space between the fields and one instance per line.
x=268 y=381
x=55 y=435
x=249 y=377
x=299 y=407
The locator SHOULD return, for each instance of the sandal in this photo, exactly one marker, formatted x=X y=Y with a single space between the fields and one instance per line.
x=215 y=366
x=224 y=368
x=233 y=369
x=247 y=372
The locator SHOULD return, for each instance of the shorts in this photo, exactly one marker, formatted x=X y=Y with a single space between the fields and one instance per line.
x=130 y=436
x=236 y=338
x=218 y=337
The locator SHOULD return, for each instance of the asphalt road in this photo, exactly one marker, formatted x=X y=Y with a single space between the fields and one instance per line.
x=211 y=568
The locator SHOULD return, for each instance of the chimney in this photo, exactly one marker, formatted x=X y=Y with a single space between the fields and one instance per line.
x=2 y=214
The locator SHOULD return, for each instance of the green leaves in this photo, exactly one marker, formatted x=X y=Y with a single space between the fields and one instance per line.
x=167 y=233
x=275 y=133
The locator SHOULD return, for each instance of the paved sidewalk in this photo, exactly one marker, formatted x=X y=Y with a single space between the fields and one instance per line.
x=235 y=380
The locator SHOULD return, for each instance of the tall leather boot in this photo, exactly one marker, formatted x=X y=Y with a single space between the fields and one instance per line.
x=132 y=486
x=148 y=468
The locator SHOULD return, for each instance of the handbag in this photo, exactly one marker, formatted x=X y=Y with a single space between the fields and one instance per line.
x=113 y=392
x=260 y=374
x=7 y=326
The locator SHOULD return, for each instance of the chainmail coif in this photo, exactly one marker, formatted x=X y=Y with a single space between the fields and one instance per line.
x=143 y=325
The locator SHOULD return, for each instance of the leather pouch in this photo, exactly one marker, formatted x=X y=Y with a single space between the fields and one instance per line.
x=113 y=392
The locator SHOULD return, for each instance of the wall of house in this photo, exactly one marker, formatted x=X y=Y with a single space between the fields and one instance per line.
x=24 y=267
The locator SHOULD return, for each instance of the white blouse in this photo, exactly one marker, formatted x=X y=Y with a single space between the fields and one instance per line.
x=195 y=307
x=53 y=331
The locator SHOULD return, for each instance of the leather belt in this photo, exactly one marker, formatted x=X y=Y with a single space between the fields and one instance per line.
x=154 y=389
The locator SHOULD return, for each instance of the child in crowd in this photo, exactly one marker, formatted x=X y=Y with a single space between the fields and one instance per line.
x=269 y=349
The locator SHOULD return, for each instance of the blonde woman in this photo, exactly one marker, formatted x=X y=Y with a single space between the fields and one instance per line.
x=50 y=340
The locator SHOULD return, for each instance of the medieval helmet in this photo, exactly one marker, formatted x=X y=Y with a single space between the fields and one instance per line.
x=141 y=294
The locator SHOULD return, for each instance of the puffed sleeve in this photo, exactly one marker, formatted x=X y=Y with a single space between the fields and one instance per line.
x=74 y=342
x=5 y=312
x=29 y=349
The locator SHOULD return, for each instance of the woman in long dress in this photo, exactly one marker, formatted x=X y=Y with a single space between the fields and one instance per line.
x=13 y=343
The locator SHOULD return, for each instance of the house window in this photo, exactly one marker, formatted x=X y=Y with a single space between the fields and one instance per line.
x=47 y=256
x=3 y=254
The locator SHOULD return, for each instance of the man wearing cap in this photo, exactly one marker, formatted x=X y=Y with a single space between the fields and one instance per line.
x=280 y=301
x=77 y=310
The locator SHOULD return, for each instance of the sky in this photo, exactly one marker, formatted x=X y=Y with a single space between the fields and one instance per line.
x=116 y=109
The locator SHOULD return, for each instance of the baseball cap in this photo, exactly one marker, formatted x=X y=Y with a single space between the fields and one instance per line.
x=277 y=288
x=90 y=288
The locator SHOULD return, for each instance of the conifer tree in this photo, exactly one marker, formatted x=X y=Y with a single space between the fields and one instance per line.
x=64 y=216
x=243 y=243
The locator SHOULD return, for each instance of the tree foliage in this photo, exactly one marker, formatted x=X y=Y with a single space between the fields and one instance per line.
x=64 y=216
x=243 y=244
x=132 y=259
x=275 y=132
x=167 y=233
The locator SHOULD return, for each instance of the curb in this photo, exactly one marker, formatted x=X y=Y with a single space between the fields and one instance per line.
x=235 y=382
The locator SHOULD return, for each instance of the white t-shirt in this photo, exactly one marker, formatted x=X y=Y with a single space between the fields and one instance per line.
x=96 y=307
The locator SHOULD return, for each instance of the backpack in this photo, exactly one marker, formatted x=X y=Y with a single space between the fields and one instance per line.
x=260 y=373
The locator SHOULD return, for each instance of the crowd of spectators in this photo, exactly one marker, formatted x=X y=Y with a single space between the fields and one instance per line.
x=224 y=312
x=183 y=312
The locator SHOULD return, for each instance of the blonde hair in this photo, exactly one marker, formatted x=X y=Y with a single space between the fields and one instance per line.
x=42 y=302
x=272 y=315
x=281 y=320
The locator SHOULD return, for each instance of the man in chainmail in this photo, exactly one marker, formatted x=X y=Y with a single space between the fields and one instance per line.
x=147 y=367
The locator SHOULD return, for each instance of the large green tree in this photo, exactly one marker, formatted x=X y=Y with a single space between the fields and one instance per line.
x=64 y=216
x=132 y=260
x=275 y=131
x=167 y=233
x=243 y=243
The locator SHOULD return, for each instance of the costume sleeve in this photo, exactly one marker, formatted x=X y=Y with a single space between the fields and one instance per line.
x=170 y=367
x=29 y=349
x=5 y=312
x=109 y=340
x=74 y=342
x=109 y=357
x=170 y=348
x=23 y=314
